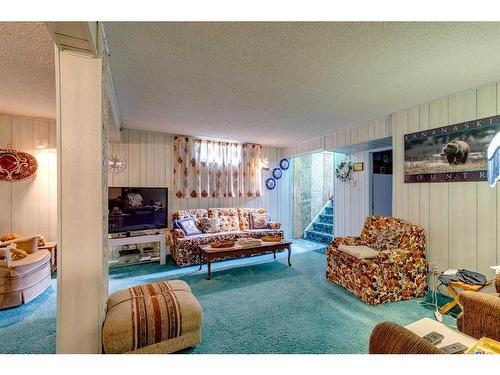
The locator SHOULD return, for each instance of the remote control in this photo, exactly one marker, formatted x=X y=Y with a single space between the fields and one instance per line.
x=434 y=337
x=454 y=348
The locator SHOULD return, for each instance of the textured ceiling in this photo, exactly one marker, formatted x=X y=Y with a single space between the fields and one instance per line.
x=27 y=77
x=281 y=83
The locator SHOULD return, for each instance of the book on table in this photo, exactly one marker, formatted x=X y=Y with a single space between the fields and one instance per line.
x=249 y=242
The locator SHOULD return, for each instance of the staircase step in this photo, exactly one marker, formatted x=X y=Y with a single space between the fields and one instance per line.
x=329 y=210
x=319 y=236
x=325 y=218
x=326 y=228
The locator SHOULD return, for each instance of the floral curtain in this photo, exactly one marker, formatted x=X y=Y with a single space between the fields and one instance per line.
x=204 y=168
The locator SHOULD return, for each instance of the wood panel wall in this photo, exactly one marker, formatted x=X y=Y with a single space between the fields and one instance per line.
x=30 y=207
x=150 y=163
x=367 y=131
x=351 y=198
x=461 y=219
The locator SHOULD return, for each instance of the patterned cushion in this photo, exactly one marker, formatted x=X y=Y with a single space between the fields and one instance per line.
x=209 y=224
x=189 y=227
x=374 y=224
x=228 y=218
x=196 y=213
x=258 y=221
x=138 y=319
x=388 y=239
x=244 y=216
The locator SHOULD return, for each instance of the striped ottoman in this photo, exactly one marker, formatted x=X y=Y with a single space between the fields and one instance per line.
x=162 y=317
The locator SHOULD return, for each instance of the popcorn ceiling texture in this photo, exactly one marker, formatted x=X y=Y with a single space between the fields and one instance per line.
x=27 y=72
x=282 y=83
x=270 y=83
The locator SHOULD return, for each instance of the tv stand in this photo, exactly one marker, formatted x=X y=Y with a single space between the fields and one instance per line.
x=160 y=235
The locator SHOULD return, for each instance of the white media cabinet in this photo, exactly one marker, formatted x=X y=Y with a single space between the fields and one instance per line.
x=157 y=236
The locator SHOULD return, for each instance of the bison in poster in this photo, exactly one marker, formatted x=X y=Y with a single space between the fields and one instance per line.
x=451 y=153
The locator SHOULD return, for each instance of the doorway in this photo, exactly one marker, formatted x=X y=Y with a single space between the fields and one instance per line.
x=381 y=183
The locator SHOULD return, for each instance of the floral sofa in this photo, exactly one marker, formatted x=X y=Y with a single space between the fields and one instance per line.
x=396 y=273
x=234 y=223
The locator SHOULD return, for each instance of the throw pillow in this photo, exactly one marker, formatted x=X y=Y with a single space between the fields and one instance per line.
x=188 y=225
x=258 y=221
x=360 y=252
x=210 y=225
x=388 y=239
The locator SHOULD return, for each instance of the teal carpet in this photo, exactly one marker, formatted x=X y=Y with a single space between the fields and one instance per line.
x=252 y=305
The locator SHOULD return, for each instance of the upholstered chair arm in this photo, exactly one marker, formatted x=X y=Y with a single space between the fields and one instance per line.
x=481 y=315
x=5 y=258
x=177 y=233
x=349 y=241
x=28 y=244
x=391 y=338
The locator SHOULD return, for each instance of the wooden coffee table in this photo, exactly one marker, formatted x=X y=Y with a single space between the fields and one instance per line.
x=214 y=253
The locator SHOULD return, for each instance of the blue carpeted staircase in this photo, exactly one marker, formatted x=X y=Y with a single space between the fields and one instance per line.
x=322 y=228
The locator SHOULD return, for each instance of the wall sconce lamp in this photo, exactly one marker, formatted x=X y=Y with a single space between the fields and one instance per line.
x=41 y=145
x=264 y=164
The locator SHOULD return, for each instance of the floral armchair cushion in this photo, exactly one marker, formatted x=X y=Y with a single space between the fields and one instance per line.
x=388 y=239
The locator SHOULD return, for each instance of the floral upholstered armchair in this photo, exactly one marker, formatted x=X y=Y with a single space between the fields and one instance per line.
x=399 y=269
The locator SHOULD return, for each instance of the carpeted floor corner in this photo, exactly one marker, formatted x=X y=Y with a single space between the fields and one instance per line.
x=252 y=305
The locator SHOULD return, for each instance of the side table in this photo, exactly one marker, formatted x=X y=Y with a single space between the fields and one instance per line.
x=454 y=287
x=426 y=325
x=51 y=246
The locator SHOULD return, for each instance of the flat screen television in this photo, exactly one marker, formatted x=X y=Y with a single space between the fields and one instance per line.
x=134 y=209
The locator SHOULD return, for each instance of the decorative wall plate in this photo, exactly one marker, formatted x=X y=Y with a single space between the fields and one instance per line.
x=270 y=183
x=117 y=164
x=284 y=164
x=16 y=165
x=277 y=173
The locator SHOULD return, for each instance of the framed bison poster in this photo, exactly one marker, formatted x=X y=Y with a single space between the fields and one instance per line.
x=451 y=153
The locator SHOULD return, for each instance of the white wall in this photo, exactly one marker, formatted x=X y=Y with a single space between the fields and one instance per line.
x=30 y=207
x=461 y=219
x=351 y=198
x=150 y=163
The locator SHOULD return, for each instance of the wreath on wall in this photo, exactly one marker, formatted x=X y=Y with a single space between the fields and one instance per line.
x=344 y=171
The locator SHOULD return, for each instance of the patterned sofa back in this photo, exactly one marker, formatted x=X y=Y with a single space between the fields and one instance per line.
x=413 y=239
x=196 y=212
x=232 y=219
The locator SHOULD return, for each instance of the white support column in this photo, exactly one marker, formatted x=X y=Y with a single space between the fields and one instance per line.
x=81 y=144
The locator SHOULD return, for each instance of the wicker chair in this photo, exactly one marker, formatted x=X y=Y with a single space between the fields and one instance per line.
x=480 y=315
x=391 y=338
